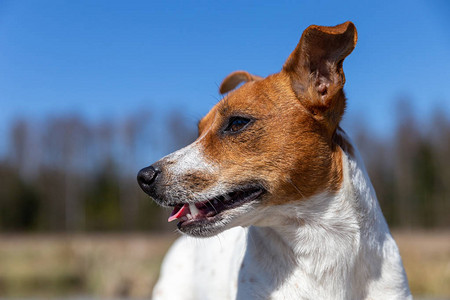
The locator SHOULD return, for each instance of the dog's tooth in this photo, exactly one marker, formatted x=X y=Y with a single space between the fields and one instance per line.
x=189 y=216
x=211 y=214
x=193 y=209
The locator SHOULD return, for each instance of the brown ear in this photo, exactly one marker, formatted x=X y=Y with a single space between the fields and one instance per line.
x=233 y=80
x=315 y=69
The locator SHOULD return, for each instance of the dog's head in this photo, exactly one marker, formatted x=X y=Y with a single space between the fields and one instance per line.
x=270 y=142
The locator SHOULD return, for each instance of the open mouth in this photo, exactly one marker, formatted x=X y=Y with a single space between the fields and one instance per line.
x=190 y=213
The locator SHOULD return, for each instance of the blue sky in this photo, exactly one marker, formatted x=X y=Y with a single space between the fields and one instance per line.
x=107 y=59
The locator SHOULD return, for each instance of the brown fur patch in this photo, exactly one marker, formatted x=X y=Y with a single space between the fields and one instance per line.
x=285 y=146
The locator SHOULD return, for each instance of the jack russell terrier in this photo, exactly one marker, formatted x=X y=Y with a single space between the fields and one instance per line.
x=278 y=191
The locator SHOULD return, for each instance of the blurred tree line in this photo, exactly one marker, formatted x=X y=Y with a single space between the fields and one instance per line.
x=68 y=174
x=410 y=169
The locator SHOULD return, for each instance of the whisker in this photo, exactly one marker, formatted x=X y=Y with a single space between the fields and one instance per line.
x=295 y=187
x=218 y=199
x=213 y=206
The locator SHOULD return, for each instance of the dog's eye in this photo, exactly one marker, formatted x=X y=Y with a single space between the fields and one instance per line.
x=236 y=124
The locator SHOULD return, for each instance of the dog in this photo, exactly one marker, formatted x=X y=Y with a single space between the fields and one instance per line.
x=277 y=190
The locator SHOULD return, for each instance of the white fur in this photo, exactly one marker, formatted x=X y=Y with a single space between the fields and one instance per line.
x=188 y=159
x=326 y=247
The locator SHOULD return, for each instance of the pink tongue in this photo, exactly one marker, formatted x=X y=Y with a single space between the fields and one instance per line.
x=182 y=212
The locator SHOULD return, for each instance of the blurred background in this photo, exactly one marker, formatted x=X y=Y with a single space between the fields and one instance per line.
x=92 y=91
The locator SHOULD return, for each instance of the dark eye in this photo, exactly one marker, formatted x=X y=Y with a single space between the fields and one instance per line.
x=236 y=124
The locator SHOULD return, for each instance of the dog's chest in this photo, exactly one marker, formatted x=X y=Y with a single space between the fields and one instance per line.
x=217 y=262
x=202 y=268
x=223 y=267
x=270 y=270
x=233 y=265
x=256 y=282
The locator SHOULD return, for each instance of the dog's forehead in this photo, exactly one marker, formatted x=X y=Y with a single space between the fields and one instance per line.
x=257 y=98
x=251 y=98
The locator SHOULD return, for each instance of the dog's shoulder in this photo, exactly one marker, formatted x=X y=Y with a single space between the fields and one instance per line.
x=192 y=262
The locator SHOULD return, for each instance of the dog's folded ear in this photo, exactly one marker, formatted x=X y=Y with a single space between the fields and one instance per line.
x=234 y=79
x=315 y=69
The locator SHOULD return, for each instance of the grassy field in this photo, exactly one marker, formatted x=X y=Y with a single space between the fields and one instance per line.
x=426 y=257
x=110 y=266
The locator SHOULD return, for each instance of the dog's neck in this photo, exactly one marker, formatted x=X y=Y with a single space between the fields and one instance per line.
x=332 y=241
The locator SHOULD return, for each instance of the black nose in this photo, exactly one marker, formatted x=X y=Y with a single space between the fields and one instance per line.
x=147 y=177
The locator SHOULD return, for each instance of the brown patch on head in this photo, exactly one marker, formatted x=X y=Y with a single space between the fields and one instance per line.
x=289 y=144
x=284 y=146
